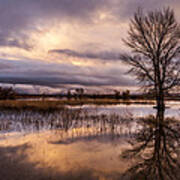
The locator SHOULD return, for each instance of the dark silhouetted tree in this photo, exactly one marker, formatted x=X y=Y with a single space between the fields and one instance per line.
x=155 y=60
x=69 y=94
x=79 y=92
x=116 y=94
x=7 y=93
x=154 y=42
x=126 y=94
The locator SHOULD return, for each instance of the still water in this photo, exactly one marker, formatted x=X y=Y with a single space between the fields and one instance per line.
x=78 y=143
x=173 y=109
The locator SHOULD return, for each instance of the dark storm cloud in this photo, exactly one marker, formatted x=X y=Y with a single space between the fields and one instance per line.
x=70 y=8
x=126 y=8
x=59 y=81
x=55 y=75
x=13 y=20
x=17 y=13
x=104 y=55
x=4 y=41
x=18 y=17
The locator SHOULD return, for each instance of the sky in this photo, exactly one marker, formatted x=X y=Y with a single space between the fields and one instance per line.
x=48 y=45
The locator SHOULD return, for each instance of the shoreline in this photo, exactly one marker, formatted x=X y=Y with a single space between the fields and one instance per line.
x=55 y=104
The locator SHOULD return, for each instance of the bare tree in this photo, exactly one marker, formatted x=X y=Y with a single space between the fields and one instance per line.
x=154 y=42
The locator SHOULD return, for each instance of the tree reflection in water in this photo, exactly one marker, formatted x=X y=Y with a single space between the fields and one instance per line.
x=155 y=140
x=155 y=149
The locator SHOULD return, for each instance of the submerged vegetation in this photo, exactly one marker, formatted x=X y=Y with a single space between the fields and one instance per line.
x=63 y=119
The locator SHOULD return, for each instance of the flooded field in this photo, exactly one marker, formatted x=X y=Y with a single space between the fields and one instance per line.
x=173 y=109
x=79 y=142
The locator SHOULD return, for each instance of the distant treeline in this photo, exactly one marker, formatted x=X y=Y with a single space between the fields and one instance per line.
x=10 y=93
x=97 y=96
x=7 y=93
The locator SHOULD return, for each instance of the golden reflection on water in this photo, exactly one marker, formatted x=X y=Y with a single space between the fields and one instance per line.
x=46 y=152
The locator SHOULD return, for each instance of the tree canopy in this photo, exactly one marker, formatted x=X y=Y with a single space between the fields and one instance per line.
x=154 y=42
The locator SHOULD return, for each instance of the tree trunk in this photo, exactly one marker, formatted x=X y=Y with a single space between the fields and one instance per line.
x=160 y=106
x=159 y=130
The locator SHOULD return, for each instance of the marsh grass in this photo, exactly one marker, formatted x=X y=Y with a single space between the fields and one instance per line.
x=71 y=121
x=59 y=103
